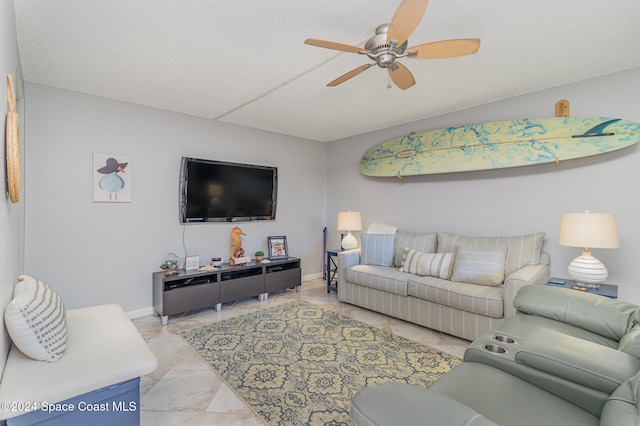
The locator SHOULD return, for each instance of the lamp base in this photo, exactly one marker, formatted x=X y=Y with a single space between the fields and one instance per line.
x=588 y=271
x=349 y=241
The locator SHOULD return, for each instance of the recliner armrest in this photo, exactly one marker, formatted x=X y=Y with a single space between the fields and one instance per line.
x=402 y=404
x=580 y=361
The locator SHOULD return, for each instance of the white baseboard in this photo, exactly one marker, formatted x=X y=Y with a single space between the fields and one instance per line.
x=312 y=276
x=138 y=313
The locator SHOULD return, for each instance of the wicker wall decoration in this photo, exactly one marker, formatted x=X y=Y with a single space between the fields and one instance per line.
x=12 y=144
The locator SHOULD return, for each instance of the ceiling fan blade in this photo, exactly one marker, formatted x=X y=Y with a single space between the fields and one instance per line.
x=349 y=75
x=335 y=46
x=401 y=76
x=406 y=19
x=446 y=48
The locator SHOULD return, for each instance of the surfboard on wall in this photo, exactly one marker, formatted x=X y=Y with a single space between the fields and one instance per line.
x=498 y=145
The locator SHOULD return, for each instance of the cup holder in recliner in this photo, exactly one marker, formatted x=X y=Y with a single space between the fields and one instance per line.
x=495 y=349
x=504 y=339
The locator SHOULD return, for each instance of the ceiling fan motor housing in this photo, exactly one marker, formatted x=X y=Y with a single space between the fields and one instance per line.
x=380 y=51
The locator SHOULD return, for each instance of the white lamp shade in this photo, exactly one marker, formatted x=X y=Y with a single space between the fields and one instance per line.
x=592 y=230
x=349 y=221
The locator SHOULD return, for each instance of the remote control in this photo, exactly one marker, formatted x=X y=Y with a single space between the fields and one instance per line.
x=556 y=281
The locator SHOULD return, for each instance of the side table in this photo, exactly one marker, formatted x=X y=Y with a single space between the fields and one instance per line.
x=607 y=290
x=332 y=269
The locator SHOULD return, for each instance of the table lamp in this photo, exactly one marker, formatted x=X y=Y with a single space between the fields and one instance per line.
x=349 y=221
x=588 y=230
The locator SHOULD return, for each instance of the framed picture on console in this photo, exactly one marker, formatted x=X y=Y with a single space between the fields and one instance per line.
x=277 y=247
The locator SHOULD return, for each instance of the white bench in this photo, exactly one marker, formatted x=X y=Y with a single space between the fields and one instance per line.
x=95 y=382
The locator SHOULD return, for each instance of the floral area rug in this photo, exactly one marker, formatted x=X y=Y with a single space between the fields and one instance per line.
x=299 y=364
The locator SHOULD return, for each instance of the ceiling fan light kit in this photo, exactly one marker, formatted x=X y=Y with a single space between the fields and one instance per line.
x=390 y=44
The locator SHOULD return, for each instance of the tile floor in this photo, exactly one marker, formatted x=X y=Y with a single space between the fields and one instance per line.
x=186 y=391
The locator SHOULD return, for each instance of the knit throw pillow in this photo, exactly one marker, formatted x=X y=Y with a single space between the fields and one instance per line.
x=36 y=320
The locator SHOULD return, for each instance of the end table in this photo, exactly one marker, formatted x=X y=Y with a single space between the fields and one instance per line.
x=607 y=290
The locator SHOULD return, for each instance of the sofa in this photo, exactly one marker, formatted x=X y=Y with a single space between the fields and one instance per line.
x=565 y=358
x=456 y=284
x=69 y=367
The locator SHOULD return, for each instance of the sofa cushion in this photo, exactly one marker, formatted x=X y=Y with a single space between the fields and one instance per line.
x=36 y=320
x=425 y=242
x=480 y=265
x=521 y=250
x=437 y=265
x=377 y=249
x=475 y=298
x=379 y=277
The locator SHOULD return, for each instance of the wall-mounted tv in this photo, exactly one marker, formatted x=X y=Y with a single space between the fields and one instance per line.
x=219 y=191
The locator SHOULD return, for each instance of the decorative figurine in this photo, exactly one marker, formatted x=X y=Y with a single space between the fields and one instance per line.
x=236 y=245
x=170 y=264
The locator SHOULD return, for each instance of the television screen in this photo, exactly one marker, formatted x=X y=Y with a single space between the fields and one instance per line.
x=218 y=191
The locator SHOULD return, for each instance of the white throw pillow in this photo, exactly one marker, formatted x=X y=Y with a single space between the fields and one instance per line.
x=480 y=265
x=427 y=264
x=36 y=320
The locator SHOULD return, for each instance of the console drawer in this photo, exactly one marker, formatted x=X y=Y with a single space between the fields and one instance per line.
x=190 y=298
x=281 y=280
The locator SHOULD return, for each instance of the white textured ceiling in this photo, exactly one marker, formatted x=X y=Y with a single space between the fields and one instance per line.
x=245 y=62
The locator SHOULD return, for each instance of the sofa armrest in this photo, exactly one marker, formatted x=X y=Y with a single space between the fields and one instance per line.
x=348 y=258
x=606 y=317
x=527 y=275
x=580 y=361
x=402 y=404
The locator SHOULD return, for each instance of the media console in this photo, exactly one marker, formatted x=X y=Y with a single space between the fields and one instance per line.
x=190 y=290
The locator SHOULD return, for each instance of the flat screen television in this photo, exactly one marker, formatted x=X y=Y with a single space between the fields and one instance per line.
x=219 y=191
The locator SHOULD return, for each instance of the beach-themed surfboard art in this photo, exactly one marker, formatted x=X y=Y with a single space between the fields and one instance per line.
x=498 y=145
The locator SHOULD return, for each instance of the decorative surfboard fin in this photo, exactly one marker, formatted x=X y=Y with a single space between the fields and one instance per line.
x=598 y=130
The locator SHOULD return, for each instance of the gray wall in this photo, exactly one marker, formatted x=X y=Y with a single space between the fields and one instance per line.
x=508 y=201
x=98 y=253
x=11 y=214
x=105 y=253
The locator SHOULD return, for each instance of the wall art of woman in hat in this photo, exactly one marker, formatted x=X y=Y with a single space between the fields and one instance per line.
x=112 y=182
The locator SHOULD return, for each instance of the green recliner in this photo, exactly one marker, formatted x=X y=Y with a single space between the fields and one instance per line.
x=566 y=358
x=474 y=394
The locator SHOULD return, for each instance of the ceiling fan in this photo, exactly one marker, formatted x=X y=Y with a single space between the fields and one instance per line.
x=390 y=44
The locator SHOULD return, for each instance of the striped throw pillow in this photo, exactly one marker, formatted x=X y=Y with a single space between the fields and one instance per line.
x=480 y=265
x=377 y=249
x=427 y=264
x=36 y=320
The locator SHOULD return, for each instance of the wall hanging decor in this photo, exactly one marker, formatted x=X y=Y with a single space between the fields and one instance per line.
x=111 y=178
x=12 y=144
x=498 y=145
